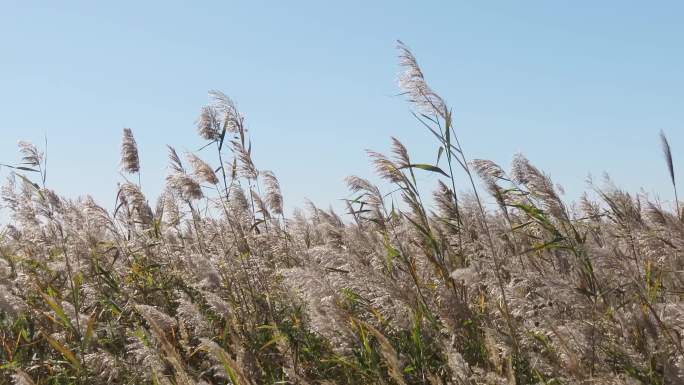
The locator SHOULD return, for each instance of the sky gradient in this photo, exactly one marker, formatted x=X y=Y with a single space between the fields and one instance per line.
x=579 y=87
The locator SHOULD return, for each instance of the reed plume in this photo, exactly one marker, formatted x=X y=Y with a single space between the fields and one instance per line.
x=667 y=152
x=31 y=156
x=208 y=126
x=274 y=197
x=202 y=170
x=130 y=161
x=412 y=82
x=185 y=185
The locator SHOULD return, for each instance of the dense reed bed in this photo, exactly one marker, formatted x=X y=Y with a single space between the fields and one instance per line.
x=216 y=284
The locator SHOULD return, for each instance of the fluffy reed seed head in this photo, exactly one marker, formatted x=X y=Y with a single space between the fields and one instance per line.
x=133 y=196
x=202 y=170
x=246 y=165
x=274 y=197
x=130 y=162
x=30 y=156
x=208 y=126
x=175 y=161
x=232 y=119
x=185 y=186
x=412 y=82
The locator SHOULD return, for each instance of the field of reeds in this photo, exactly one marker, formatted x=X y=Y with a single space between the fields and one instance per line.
x=216 y=284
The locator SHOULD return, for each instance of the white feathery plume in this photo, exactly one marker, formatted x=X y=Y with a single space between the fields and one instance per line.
x=412 y=82
x=130 y=162
x=201 y=169
x=30 y=155
x=185 y=186
x=232 y=119
x=207 y=125
x=274 y=197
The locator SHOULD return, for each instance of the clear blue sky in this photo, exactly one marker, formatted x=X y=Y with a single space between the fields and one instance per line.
x=578 y=86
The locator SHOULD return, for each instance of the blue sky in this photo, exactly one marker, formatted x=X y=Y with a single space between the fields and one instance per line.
x=578 y=86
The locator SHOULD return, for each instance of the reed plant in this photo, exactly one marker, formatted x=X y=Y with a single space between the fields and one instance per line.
x=214 y=284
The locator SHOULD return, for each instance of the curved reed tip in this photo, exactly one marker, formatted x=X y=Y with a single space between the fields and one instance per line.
x=412 y=83
x=667 y=152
